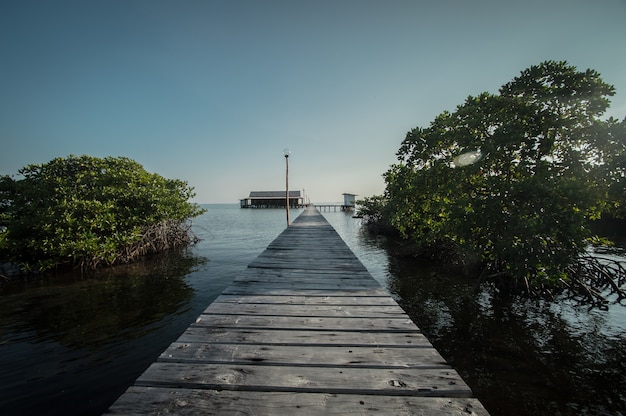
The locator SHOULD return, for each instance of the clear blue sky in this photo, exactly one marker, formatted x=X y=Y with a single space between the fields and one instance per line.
x=212 y=91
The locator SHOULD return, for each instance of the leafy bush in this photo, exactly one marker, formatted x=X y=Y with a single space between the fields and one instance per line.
x=514 y=176
x=372 y=212
x=86 y=212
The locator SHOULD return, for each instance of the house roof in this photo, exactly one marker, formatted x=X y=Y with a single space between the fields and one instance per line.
x=274 y=194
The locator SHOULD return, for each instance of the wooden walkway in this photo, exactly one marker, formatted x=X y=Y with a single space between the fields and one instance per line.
x=304 y=330
x=334 y=207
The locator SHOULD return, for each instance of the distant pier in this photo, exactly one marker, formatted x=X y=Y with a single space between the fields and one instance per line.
x=334 y=207
x=304 y=330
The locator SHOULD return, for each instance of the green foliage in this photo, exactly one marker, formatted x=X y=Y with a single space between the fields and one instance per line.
x=372 y=210
x=88 y=211
x=547 y=163
x=613 y=171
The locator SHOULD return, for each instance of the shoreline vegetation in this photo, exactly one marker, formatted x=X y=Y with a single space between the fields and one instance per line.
x=84 y=213
x=603 y=284
x=508 y=184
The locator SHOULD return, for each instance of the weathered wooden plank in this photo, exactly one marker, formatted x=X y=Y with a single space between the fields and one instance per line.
x=307 y=322
x=286 y=248
x=307 y=300
x=307 y=271
x=294 y=273
x=320 y=260
x=342 y=380
x=370 y=356
x=305 y=255
x=271 y=336
x=319 y=252
x=371 y=311
x=287 y=274
x=284 y=289
x=302 y=279
x=166 y=401
x=296 y=288
x=303 y=264
x=314 y=278
x=290 y=246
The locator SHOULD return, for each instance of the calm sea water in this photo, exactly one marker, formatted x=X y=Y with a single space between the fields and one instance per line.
x=72 y=344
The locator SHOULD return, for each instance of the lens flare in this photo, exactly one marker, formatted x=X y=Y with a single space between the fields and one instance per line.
x=467 y=158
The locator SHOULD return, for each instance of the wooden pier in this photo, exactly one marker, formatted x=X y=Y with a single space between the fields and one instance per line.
x=304 y=330
x=334 y=207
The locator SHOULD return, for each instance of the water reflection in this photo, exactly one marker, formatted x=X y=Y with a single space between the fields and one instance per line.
x=520 y=356
x=69 y=336
x=86 y=312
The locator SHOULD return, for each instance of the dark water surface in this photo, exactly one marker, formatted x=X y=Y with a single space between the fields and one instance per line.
x=70 y=345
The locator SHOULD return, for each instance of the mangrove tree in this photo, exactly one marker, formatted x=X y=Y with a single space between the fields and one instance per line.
x=87 y=212
x=511 y=181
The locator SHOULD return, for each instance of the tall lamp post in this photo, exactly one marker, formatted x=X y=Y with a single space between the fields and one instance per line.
x=286 y=152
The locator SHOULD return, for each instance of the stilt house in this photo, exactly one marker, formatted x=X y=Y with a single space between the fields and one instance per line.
x=272 y=199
